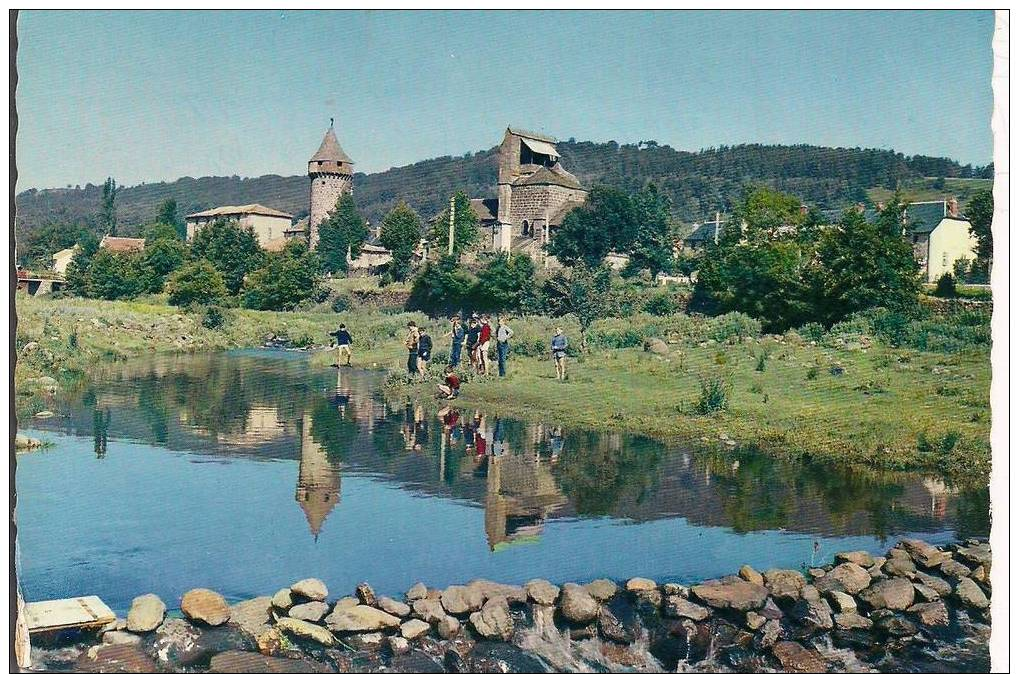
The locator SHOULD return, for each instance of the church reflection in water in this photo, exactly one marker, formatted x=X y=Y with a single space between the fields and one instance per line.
x=524 y=475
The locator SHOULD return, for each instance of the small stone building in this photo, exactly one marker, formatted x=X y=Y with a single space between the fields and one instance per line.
x=535 y=194
x=267 y=223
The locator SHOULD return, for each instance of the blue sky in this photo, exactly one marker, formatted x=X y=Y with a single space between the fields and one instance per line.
x=155 y=96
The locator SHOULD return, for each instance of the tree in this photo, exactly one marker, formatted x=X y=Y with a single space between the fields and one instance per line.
x=113 y=276
x=401 y=233
x=442 y=287
x=233 y=251
x=159 y=230
x=653 y=246
x=606 y=222
x=342 y=232
x=465 y=227
x=760 y=266
x=980 y=212
x=162 y=257
x=196 y=283
x=287 y=279
x=76 y=274
x=108 y=208
x=37 y=247
x=579 y=291
x=168 y=215
x=866 y=264
x=505 y=283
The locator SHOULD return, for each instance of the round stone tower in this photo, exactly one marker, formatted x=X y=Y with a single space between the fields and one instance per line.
x=331 y=173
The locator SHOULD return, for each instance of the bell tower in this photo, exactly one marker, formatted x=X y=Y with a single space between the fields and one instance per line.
x=331 y=173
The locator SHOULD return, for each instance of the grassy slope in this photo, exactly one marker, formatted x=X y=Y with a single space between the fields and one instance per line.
x=870 y=416
x=922 y=189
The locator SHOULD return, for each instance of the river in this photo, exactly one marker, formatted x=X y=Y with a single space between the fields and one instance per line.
x=244 y=471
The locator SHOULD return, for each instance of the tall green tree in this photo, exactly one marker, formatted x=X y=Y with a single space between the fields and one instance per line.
x=342 y=232
x=168 y=215
x=980 y=212
x=760 y=265
x=654 y=241
x=108 y=208
x=867 y=264
x=465 y=227
x=401 y=234
x=607 y=221
x=288 y=278
x=233 y=251
x=162 y=257
x=77 y=270
x=579 y=291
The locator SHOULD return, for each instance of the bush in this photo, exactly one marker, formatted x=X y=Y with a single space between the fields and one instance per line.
x=762 y=362
x=945 y=286
x=196 y=283
x=288 y=278
x=714 y=396
x=811 y=332
x=341 y=303
x=213 y=318
x=661 y=304
x=734 y=326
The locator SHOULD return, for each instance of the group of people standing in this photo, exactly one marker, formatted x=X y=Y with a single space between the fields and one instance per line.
x=477 y=338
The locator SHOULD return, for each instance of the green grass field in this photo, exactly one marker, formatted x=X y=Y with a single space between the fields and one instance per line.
x=851 y=402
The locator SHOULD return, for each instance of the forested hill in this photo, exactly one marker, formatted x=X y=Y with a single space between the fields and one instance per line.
x=698 y=182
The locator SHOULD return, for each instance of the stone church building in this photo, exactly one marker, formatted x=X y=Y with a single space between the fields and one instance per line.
x=535 y=194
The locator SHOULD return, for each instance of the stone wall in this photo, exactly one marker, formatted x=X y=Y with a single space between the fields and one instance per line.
x=326 y=189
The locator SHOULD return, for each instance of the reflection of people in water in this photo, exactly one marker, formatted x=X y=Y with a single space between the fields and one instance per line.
x=555 y=442
x=100 y=430
x=499 y=445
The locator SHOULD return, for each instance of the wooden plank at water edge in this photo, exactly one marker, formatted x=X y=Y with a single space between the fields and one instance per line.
x=74 y=613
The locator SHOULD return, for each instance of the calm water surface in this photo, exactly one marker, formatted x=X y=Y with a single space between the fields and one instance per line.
x=245 y=471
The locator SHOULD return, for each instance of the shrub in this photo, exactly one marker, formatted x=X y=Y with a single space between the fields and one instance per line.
x=762 y=362
x=213 y=318
x=714 y=396
x=341 y=303
x=811 y=332
x=733 y=326
x=288 y=278
x=942 y=445
x=945 y=286
x=661 y=304
x=196 y=283
x=812 y=372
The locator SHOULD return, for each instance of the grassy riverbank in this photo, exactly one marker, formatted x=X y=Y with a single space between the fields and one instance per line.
x=844 y=398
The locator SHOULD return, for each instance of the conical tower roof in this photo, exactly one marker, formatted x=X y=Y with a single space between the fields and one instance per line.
x=330 y=149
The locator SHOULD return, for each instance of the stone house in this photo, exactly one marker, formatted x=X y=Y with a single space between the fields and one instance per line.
x=267 y=223
x=535 y=194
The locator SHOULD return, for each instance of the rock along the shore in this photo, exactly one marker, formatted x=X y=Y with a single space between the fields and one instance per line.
x=146 y=613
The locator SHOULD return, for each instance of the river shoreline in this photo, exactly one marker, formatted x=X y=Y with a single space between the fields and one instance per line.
x=863 y=612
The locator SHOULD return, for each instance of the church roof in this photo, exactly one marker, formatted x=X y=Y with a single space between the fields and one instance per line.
x=554 y=176
x=530 y=134
x=487 y=210
x=330 y=150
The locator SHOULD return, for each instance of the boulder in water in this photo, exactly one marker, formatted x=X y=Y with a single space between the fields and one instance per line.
x=311 y=589
x=146 y=614
x=205 y=607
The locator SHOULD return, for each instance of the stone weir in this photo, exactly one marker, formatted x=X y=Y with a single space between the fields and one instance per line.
x=865 y=611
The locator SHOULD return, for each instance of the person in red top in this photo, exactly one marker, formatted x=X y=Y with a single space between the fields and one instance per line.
x=484 y=341
x=451 y=388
